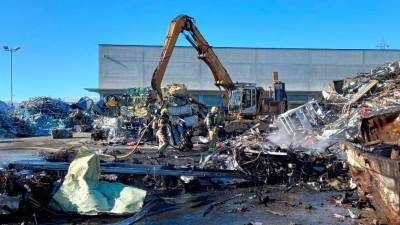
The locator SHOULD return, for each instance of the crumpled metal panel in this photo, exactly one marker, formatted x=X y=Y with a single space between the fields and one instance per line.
x=382 y=126
x=377 y=176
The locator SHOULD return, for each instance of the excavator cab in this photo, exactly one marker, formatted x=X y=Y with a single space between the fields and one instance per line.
x=243 y=99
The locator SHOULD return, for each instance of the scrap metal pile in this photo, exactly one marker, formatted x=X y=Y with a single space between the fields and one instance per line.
x=13 y=126
x=38 y=116
x=44 y=105
x=186 y=114
x=338 y=116
x=35 y=190
x=254 y=154
x=133 y=111
x=181 y=106
x=41 y=115
x=6 y=126
x=358 y=117
x=356 y=124
x=138 y=108
x=361 y=113
x=362 y=97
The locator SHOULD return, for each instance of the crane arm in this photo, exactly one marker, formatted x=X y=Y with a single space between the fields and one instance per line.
x=182 y=24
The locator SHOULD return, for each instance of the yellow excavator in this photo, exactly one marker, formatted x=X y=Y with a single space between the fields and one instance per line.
x=245 y=100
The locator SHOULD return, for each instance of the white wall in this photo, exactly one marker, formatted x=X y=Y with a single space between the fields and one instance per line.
x=301 y=69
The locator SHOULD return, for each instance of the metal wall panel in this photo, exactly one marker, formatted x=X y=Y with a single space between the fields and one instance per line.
x=124 y=66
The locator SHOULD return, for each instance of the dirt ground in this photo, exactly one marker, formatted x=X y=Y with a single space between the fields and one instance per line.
x=297 y=206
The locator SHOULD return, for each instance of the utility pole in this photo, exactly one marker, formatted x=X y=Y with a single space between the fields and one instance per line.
x=11 y=50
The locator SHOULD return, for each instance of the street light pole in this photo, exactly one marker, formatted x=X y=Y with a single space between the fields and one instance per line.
x=11 y=50
x=11 y=85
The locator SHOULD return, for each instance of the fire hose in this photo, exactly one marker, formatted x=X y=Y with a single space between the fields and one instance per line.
x=128 y=154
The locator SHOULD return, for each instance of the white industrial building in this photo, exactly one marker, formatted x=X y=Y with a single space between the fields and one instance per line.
x=305 y=71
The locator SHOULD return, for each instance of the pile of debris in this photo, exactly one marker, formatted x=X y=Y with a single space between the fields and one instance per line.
x=182 y=106
x=81 y=191
x=361 y=114
x=139 y=102
x=254 y=154
x=12 y=126
x=42 y=115
x=44 y=105
x=186 y=114
x=345 y=103
x=6 y=126
x=87 y=105
x=136 y=109
x=112 y=129
x=82 y=115
x=7 y=122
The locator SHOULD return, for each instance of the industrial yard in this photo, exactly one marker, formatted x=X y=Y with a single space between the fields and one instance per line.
x=201 y=134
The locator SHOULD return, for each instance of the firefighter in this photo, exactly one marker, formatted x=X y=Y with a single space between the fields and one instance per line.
x=213 y=122
x=162 y=125
x=111 y=103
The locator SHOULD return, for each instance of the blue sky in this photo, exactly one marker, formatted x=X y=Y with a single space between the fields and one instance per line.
x=59 y=38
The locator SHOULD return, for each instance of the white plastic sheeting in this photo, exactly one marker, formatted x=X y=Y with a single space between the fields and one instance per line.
x=83 y=193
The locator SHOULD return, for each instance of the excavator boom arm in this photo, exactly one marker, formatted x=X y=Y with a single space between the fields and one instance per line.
x=183 y=24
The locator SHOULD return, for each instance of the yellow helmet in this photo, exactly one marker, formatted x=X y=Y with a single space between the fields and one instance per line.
x=214 y=109
x=164 y=111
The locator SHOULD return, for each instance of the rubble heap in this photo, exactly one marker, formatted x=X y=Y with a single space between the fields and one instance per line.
x=362 y=114
x=12 y=126
x=138 y=107
x=6 y=126
x=55 y=108
x=39 y=116
x=87 y=105
x=138 y=102
x=254 y=154
x=135 y=111
x=181 y=106
x=361 y=97
x=42 y=114
x=338 y=116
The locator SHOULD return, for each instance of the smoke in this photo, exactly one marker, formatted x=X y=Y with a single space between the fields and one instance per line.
x=281 y=138
x=308 y=139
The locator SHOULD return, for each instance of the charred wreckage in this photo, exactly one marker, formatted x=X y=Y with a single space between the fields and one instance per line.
x=346 y=141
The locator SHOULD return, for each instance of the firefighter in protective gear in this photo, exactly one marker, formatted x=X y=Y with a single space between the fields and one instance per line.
x=162 y=125
x=213 y=122
x=111 y=103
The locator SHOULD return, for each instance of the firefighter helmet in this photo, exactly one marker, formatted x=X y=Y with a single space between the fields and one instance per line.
x=214 y=109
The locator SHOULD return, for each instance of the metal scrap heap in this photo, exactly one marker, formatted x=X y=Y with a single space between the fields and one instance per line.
x=360 y=115
x=39 y=116
x=254 y=154
x=44 y=105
